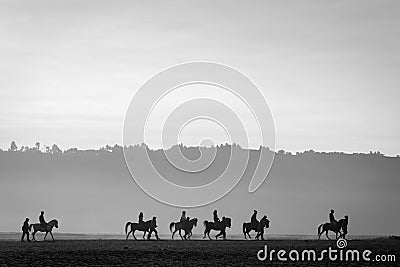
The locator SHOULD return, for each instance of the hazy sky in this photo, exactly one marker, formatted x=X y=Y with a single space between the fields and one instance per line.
x=329 y=70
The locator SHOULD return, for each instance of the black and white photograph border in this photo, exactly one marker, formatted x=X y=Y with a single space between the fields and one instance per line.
x=199 y=133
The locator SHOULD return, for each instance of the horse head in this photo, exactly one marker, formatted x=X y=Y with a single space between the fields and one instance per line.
x=264 y=222
x=194 y=222
x=53 y=223
x=227 y=221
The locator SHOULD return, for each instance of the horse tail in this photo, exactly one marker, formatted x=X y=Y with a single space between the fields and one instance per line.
x=30 y=228
x=171 y=225
x=205 y=223
x=244 y=228
x=319 y=228
x=126 y=227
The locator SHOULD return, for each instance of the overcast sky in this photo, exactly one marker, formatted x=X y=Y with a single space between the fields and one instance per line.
x=329 y=70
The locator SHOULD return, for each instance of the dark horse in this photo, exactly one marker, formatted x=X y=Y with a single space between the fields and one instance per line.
x=326 y=227
x=144 y=227
x=248 y=227
x=187 y=226
x=218 y=226
x=263 y=223
x=37 y=227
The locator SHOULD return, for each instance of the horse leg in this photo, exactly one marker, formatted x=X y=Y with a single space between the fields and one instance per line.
x=52 y=237
x=45 y=236
x=327 y=234
x=173 y=233
x=133 y=233
x=149 y=235
x=190 y=234
x=33 y=236
x=208 y=233
x=216 y=237
x=128 y=234
x=180 y=234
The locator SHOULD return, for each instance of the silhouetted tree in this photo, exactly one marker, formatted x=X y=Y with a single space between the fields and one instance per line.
x=116 y=148
x=13 y=146
x=55 y=149
x=37 y=146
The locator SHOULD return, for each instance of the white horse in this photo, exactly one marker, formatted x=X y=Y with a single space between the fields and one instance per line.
x=37 y=227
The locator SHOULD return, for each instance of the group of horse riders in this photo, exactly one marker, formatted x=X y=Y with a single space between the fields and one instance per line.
x=42 y=226
x=186 y=224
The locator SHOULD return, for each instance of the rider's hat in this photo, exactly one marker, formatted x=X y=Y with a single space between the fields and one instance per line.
x=332 y=211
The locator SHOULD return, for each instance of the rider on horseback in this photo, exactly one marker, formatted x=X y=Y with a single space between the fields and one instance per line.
x=140 y=217
x=332 y=219
x=183 y=216
x=41 y=220
x=216 y=219
x=254 y=221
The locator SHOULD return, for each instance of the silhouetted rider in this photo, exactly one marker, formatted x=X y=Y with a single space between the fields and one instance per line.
x=216 y=219
x=254 y=221
x=141 y=217
x=183 y=216
x=41 y=219
x=332 y=219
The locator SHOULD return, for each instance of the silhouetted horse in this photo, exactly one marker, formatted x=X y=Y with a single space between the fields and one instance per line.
x=264 y=222
x=248 y=227
x=37 y=227
x=187 y=226
x=326 y=227
x=218 y=226
x=144 y=227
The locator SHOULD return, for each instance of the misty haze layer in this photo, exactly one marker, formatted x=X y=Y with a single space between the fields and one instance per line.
x=92 y=191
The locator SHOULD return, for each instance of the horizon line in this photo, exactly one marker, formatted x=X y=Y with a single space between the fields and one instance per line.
x=47 y=149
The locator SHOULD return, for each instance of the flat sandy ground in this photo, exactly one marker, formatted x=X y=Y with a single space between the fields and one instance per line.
x=178 y=253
